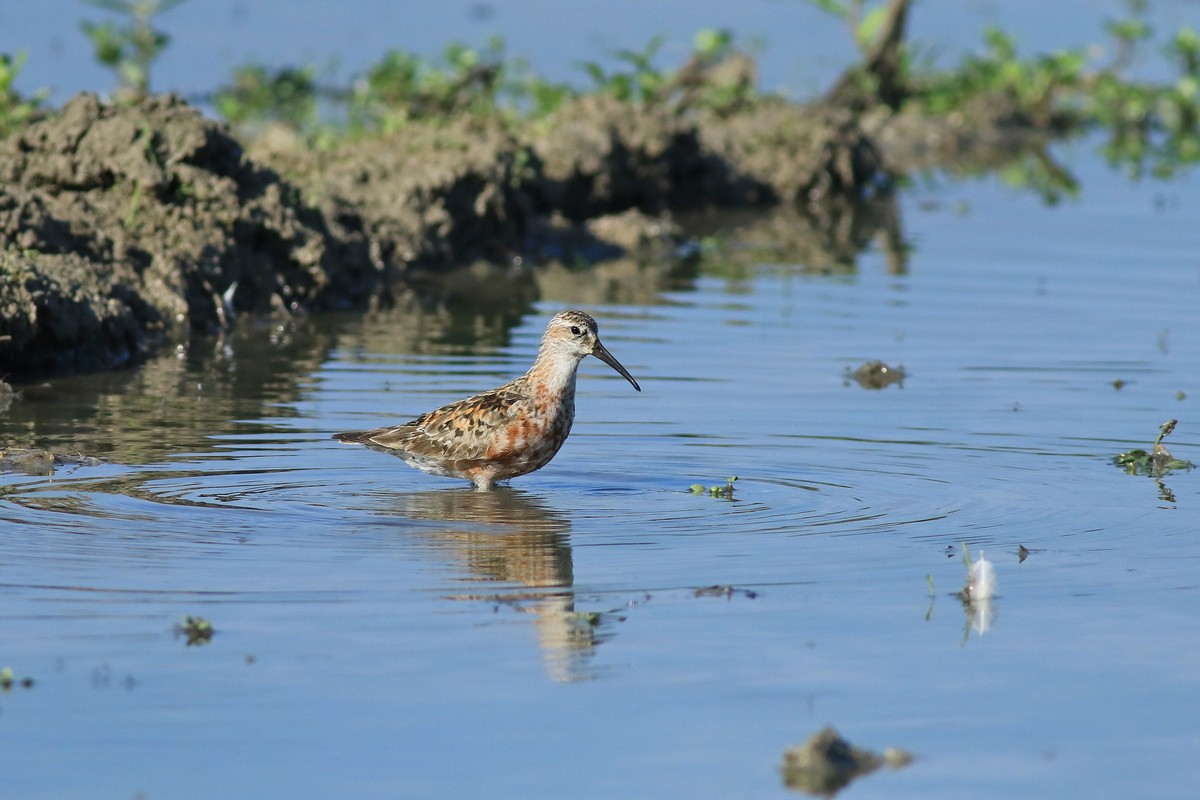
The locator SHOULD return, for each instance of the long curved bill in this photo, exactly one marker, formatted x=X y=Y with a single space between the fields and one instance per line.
x=601 y=352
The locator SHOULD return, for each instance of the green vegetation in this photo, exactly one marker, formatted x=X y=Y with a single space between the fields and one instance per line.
x=641 y=82
x=15 y=111
x=131 y=47
x=724 y=492
x=865 y=24
x=483 y=82
x=8 y=680
x=259 y=96
x=1153 y=128
x=1156 y=463
x=197 y=630
x=1033 y=86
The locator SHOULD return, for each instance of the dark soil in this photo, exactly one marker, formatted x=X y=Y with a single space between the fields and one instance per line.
x=123 y=226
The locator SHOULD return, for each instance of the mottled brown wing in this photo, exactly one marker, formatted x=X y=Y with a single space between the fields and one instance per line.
x=461 y=430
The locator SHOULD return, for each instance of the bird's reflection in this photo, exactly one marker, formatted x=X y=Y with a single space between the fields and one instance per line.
x=509 y=537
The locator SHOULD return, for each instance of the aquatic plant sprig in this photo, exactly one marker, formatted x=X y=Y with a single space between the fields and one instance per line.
x=724 y=492
x=1156 y=463
x=15 y=110
x=197 y=630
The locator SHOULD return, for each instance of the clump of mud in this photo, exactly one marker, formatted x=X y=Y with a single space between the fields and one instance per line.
x=35 y=461
x=123 y=225
x=779 y=152
x=827 y=763
x=604 y=156
x=432 y=193
x=120 y=224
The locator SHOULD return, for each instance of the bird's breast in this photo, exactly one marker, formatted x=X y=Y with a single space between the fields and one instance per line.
x=534 y=437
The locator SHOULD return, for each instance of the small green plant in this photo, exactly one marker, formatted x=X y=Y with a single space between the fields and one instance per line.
x=131 y=47
x=865 y=23
x=1032 y=86
x=287 y=95
x=724 y=492
x=718 y=76
x=146 y=142
x=1156 y=463
x=15 y=111
x=403 y=86
x=197 y=630
x=529 y=94
x=641 y=82
x=1153 y=128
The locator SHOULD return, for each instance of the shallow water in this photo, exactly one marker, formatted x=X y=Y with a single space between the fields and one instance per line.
x=383 y=633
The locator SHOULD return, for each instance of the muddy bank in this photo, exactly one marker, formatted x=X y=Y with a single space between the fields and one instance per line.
x=125 y=226
x=122 y=226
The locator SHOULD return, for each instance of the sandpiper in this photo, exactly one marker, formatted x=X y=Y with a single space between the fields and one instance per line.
x=509 y=431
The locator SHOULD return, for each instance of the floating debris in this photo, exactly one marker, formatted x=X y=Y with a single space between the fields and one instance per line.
x=34 y=461
x=198 y=630
x=590 y=619
x=29 y=461
x=876 y=375
x=725 y=591
x=1158 y=462
x=8 y=680
x=981 y=578
x=725 y=492
x=826 y=763
x=978 y=592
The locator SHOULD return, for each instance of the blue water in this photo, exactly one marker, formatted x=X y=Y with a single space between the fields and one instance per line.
x=384 y=633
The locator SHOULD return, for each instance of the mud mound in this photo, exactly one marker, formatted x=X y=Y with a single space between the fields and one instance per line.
x=778 y=152
x=432 y=193
x=603 y=156
x=122 y=223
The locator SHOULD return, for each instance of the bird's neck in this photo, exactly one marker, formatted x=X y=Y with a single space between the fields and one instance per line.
x=553 y=378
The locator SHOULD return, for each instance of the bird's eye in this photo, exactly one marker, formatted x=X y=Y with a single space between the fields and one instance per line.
x=576 y=331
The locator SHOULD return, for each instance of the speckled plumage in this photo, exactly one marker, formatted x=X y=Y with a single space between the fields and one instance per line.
x=509 y=431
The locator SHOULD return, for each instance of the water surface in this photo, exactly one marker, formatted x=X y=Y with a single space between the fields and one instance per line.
x=384 y=633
